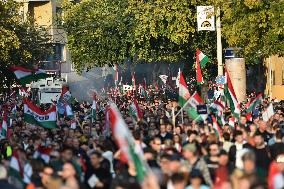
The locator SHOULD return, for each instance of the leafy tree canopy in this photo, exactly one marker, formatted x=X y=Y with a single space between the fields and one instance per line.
x=21 y=42
x=109 y=31
x=257 y=26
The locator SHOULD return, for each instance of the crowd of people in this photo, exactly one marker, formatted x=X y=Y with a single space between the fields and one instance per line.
x=185 y=154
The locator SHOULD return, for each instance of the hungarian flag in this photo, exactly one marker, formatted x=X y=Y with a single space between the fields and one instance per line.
x=24 y=92
x=4 y=126
x=26 y=76
x=195 y=100
x=216 y=128
x=183 y=91
x=66 y=96
x=232 y=122
x=94 y=107
x=34 y=115
x=40 y=74
x=217 y=108
x=16 y=170
x=250 y=107
x=231 y=97
x=201 y=60
x=135 y=111
x=191 y=107
x=130 y=151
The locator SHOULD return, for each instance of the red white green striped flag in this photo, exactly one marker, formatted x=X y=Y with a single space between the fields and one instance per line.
x=250 y=107
x=216 y=128
x=135 y=111
x=231 y=97
x=195 y=100
x=201 y=60
x=130 y=151
x=16 y=170
x=34 y=115
x=26 y=76
x=191 y=107
x=184 y=94
x=232 y=122
x=4 y=126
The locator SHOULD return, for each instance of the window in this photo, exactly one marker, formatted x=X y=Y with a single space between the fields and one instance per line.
x=282 y=76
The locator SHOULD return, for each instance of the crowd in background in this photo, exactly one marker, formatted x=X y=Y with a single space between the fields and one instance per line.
x=188 y=154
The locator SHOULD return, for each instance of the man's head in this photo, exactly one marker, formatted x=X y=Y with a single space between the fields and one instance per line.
x=163 y=129
x=223 y=158
x=262 y=125
x=258 y=139
x=68 y=171
x=96 y=158
x=239 y=136
x=213 y=149
x=243 y=120
x=249 y=162
x=45 y=175
x=156 y=144
x=67 y=154
x=190 y=151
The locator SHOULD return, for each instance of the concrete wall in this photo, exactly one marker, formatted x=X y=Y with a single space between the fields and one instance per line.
x=237 y=71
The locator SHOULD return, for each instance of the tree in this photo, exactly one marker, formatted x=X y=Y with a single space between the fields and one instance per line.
x=109 y=31
x=98 y=32
x=257 y=26
x=21 y=42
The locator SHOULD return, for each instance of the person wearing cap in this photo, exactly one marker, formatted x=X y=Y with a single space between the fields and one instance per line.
x=194 y=161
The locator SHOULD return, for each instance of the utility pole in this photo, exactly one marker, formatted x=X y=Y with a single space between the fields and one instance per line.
x=219 y=42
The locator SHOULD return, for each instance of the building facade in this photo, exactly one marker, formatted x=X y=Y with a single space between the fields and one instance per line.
x=45 y=14
x=275 y=77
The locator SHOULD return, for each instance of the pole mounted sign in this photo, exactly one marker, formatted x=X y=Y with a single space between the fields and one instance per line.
x=205 y=18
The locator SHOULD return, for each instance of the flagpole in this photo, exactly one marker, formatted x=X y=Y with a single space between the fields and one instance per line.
x=219 y=42
x=174 y=118
x=182 y=115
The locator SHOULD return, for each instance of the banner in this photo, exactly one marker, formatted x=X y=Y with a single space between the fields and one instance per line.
x=205 y=18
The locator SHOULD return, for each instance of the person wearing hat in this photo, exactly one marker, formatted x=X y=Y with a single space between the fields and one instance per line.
x=194 y=161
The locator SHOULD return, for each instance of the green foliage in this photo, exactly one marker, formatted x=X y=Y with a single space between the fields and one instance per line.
x=97 y=32
x=257 y=26
x=21 y=42
x=109 y=31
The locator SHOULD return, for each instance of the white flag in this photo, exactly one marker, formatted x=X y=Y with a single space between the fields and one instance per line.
x=268 y=113
x=164 y=78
